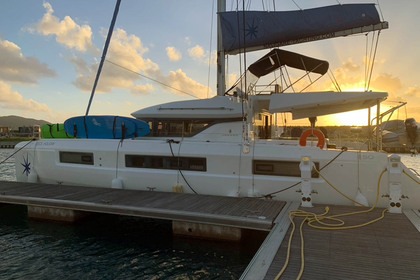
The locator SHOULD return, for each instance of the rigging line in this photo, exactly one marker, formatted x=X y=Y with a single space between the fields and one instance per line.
x=370 y=62
x=297 y=5
x=313 y=172
x=118 y=153
x=244 y=117
x=342 y=151
x=15 y=152
x=374 y=57
x=108 y=40
x=151 y=79
x=334 y=80
x=380 y=10
x=243 y=22
x=239 y=31
x=248 y=4
x=366 y=60
x=227 y=69
x=240 y=69
x=211 y=41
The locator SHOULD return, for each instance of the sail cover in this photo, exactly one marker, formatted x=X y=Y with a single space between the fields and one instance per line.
x=277 y=58
x=256 y=30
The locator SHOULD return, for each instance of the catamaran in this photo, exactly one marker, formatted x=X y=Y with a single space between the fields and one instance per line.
x=229 y=145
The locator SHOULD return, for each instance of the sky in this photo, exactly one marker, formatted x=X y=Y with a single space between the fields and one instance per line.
x=50 y=51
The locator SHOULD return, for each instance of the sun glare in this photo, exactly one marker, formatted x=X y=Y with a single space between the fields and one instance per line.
x=353 y=118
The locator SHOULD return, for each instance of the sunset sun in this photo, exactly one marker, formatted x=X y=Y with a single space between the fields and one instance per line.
x=357 y=118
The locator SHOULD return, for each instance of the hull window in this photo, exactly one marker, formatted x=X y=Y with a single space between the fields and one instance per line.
x=177 y=128
x=158 y=162
x=76 y=158
x=280 y=168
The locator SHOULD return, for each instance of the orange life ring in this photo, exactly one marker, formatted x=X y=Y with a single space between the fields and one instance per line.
x=318 y=133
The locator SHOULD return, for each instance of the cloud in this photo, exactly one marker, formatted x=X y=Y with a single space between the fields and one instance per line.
x=350 y=66
x=413 y=91
x=10 y=99
x=15 y=67
x=67 y=32
x=392 y=85
x=121 y=70
x=179 y=80
x=231 y=79
x=141 y=89
x=127 y=67
x=349 y=75
x=197 y=52
x=173 y=54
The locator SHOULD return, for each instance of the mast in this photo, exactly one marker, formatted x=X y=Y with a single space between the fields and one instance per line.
x=108 y=40
x=221 y=80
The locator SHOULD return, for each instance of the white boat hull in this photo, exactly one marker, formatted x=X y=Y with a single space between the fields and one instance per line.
x=228 y=171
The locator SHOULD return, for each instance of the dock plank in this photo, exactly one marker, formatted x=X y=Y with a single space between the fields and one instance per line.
x=226 y=211
x=387 y=249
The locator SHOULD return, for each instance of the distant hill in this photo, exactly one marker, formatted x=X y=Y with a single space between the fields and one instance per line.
x=15 y=122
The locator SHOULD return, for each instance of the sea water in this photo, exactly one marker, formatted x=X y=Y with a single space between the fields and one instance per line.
x=113 y=247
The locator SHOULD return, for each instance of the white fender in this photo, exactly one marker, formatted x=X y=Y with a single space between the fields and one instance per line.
x=117 y=183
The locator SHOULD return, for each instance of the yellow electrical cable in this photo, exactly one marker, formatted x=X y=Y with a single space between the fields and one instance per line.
x=289 y=246
x=336 y=189
x=302 y=250
x=311 y=218
x=292 y=215
x=334 y=226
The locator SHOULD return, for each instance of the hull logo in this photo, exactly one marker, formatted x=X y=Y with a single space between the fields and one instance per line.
x=26 y=165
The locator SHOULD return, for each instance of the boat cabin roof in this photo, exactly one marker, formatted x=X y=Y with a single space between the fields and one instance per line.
x=301 y=105
x=218 y=107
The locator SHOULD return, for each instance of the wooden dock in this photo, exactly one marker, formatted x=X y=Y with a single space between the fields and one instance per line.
x=244 y=213
x=387 y=249
x=8 y=144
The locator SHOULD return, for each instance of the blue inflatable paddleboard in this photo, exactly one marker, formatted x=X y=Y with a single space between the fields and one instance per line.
x=105 y=127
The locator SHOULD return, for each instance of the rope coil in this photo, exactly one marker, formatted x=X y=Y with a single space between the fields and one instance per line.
x=319 y=221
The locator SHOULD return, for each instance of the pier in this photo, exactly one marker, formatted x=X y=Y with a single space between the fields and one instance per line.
x=386 y=249
x=193 y=215
x=8 y=144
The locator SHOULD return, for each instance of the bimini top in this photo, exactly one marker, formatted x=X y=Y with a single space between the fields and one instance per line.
x=257 y=30
x=277 y=58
